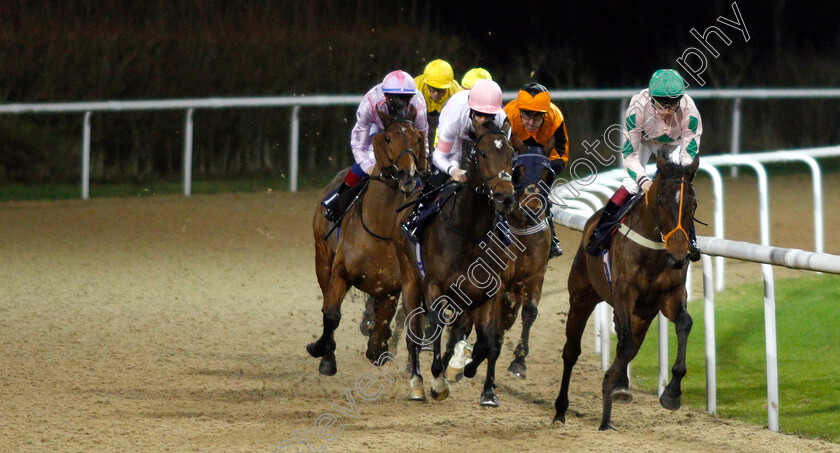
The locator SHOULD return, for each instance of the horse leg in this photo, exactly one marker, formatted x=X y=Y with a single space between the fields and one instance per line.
x=456 y=349
x=399 y=320
x=439 y=387
x=616 y=383
x=368 y=316
x=581 y=303
x=325 y=346
x=378 y=341
x=413 y=336
x=529 y=315
x=482 y=348
x=674 y=309
x=495 y=337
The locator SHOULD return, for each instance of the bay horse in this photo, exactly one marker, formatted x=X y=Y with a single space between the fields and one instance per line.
x=532 y=179
x=361 y=253
x=647 y=263
x=460 y=253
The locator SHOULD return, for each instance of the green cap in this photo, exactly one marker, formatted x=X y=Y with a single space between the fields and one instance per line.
x=667 y=83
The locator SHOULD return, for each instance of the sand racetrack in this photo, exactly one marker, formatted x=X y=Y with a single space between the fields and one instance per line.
x=167 y=323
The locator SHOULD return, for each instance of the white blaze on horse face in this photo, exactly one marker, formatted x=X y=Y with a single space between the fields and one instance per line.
x=498 y=143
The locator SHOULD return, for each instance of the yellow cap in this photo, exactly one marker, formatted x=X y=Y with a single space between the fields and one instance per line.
x=474 y=75
x=439 y=74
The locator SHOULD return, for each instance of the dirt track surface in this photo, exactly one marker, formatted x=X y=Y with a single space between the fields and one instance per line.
x=175 y=324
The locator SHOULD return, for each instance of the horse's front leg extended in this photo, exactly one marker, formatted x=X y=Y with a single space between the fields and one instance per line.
x=675 y=310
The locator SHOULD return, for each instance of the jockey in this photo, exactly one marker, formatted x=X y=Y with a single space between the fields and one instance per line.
x=474 y=75
x=437 y=83
x=535 y=120
x=484 y=103
x=660 y=118
x=395 y=96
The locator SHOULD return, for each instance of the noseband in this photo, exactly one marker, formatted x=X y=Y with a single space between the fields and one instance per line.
x=483 y=188
x=390 y=171
x=682 y=182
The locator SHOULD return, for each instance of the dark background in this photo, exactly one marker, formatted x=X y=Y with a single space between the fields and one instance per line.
x=76 y=50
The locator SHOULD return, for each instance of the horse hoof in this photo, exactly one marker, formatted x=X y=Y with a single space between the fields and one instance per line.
x=454 y=374
x=312 y=349
x=517 y=369
x=366 y=327
x=489 y=399
x=327 y=366
x=622 y=396
x=417 y=393
x=559 y=418
x=607 y=427
x=439 y=389
x=470 y=370
x=669 y=402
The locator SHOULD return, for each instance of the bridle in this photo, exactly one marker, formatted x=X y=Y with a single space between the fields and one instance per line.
x=390 y=171
x=665 y=237
x=483 y=188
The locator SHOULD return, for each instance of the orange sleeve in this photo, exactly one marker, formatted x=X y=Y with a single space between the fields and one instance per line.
x=561 y=136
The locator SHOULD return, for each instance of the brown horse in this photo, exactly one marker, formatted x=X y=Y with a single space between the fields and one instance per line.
x=647 y=266
x=362 y=253
x=532 y=178
x=462 y=258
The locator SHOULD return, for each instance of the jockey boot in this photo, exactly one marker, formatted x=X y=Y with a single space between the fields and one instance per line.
x=413 y=227
x=601 y=238
x=555 y=250
x=693 y=250
x=332 y=203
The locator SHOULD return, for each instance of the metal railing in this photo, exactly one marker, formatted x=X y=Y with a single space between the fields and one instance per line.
x=323 y=100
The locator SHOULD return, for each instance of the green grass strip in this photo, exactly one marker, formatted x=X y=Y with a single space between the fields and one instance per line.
x=808 y=330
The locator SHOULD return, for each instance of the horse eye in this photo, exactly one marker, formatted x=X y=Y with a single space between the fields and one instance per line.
x=387 y=139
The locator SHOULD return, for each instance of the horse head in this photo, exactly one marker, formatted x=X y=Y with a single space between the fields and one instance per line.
x=673 y=205
x=400 y=149
x=532 y=178
x=490 y=164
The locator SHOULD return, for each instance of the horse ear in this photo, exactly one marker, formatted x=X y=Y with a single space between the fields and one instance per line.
x=412 y=113
x=517 y=144
x=692 y=169
x=661 y=161
x=385 y=117
x=506 y=126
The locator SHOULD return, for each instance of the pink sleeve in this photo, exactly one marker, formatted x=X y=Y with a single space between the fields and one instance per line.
x=360 y=136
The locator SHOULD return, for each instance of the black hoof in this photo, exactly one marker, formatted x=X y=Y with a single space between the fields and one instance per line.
x=489 y=398
x=517 y=369
x=559 y=418
x=366 y=326
x=622 y=396
x=470 y=370
x=670 y=402
x=314 y=350
x=606 y=427
x=327 y=366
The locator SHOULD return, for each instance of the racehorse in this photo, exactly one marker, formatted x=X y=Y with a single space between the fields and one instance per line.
x=362 y=252
x=461 y=257
x=532 y=178
x=645 y=273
